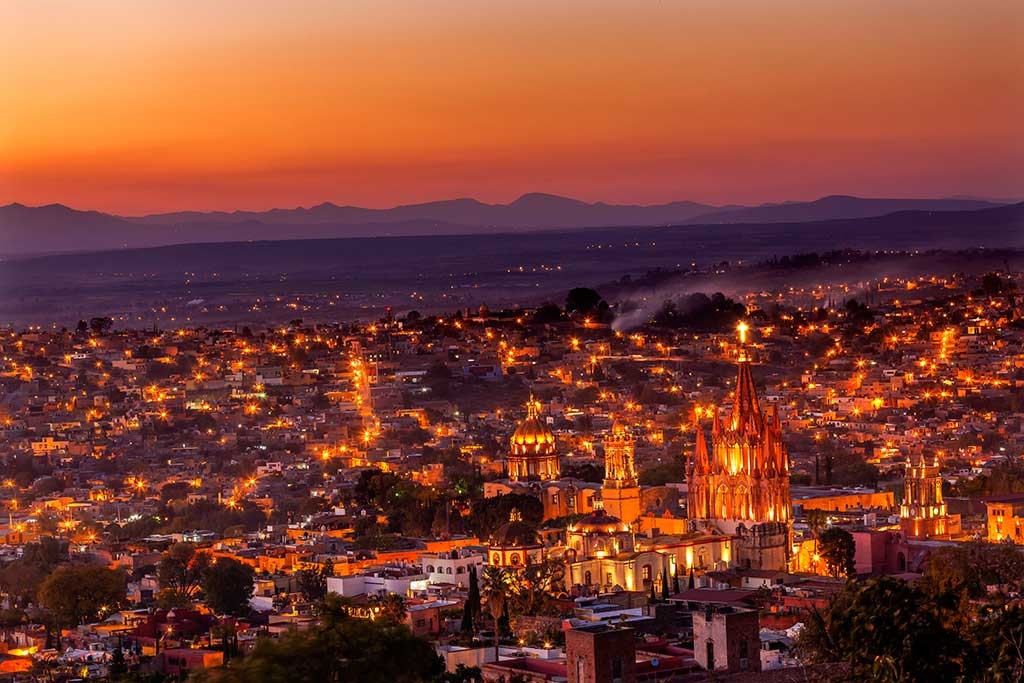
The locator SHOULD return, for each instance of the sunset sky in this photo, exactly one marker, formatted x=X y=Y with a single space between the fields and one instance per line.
x=144 y=105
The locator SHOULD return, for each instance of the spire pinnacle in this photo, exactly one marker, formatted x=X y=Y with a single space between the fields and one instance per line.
x=742 y=329
x=532 y=407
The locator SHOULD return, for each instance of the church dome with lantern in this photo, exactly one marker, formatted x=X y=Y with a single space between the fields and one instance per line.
x=533 y=434
x=599 y=535
x=514 y=543
x=533 y=456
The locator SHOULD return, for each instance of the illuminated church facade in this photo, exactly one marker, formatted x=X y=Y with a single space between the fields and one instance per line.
x=923 y=512
x=620 y=494
x=740 y=484
x=533 y=468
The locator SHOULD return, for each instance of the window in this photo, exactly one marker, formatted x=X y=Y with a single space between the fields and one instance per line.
x=646 y=573
x=744 y=655
x=430 y=569
x=588 y=578
x=514 y=560
x=710 y=650
x=617 y=669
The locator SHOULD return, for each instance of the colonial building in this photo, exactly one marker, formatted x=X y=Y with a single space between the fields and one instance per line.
x=621 y=491
x=601 y=555
x=1005 y=518
x=727 y=640
x=923 y=512
x=533 y=456
x=560 y=497
x=741 y=485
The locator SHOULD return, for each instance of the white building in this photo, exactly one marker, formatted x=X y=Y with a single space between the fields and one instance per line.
x=451 y=567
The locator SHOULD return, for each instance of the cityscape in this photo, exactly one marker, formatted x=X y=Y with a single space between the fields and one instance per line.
x=599 y=433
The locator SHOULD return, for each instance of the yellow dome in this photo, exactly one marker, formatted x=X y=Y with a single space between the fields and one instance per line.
x=532 y=430
x=599 y=522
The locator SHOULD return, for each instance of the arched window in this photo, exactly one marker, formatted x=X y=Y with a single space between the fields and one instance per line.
x=496 y=559
x=430 y=569
x=588 y=578
x=460 y=570
x=448 y=570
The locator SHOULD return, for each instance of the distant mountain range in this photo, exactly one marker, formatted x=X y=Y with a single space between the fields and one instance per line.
x=53 y=228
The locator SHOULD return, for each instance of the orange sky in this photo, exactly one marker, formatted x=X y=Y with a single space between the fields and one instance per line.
x=145 y=106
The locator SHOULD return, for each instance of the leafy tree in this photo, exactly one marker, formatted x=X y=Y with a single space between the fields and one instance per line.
x=531 y=585
x=837 y=547
x=886 y=630
x=312 y=584
x=227 y=586
x=970 y=567
x=175 y=490
x=584 y=471
x=816 y=520
x=582 y=300
x=585 y=301
x=462 y=674
x=21 y=578
x=180 y=574
x=548 y=313
x=665 y=473
x=100 y=325
x=992 y=284
x=488 y=514
x=997 y=645
x=341 y=648
x=392 y=607
x=76 y=594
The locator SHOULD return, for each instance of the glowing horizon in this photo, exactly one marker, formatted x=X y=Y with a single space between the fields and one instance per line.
x=157 y=106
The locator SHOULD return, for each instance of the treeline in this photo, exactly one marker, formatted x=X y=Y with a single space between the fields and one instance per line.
x=811 y=259
x=699 y=311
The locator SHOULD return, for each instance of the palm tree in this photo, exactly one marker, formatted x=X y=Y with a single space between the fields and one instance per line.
x=495 y=593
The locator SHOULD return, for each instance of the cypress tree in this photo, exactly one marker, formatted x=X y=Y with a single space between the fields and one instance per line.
x=473 y=598
x=504 y=624
x=664 y=583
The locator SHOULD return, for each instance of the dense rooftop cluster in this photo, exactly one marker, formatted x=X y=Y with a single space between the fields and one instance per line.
x=233 y=477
